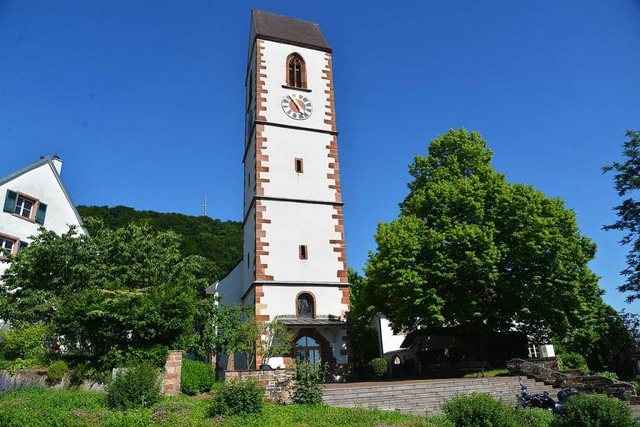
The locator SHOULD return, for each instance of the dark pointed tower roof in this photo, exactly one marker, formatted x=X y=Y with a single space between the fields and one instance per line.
x=270 y=26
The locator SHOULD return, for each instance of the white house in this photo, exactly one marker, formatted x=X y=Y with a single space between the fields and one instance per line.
x=294 y=265
x=34 y=197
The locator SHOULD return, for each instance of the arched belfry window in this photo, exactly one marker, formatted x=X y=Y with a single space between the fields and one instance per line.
x=306 y=307
x=296 y=71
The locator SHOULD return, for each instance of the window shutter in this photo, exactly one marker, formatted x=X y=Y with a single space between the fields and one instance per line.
x=42 y=211
x=22 y=246
x=10 y=201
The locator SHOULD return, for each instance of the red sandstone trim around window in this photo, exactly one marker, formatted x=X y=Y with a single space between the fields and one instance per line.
x=15 y=244
x=313 y=303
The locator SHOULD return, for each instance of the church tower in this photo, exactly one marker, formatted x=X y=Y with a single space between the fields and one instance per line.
x=294 y=267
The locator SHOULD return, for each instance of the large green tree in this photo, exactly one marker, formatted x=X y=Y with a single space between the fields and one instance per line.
x=627 y=183
x=119 y=293
x=469 y=248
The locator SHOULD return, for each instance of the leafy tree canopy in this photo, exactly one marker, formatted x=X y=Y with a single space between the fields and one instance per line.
x=120 y=291
x=627 y=183
x=219 y=242
x=469 y=248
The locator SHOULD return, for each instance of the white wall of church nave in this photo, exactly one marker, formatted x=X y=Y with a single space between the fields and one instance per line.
x=249 y=249
x=281 y=300
x=283 y=146
x=249 y=175
x=295 y=224
x=275 y=57
x=231 y=287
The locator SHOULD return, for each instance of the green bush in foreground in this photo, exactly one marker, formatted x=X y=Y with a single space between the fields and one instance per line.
x=57 y=370
x=534 y=417
x=596 y=410
x=135 y=387
x=307 y=386
x=479 y=410
x=237 y=398
x=197 y=377
x=379 y=366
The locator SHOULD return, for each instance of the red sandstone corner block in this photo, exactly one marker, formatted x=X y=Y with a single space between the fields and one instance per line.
x=173 y=372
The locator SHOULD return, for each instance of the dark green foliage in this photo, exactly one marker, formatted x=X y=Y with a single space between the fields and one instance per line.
x=220 y=242
x=307 y=386
x=237 y=398
x=627 y=184
x=472 y=249
x=137 y=386
x=197 y=377
x=365 y=337
x=615 y=351
x=57 y=370
x=479 y=410
x=379 y=366
x=595 y=411
x=572 y=362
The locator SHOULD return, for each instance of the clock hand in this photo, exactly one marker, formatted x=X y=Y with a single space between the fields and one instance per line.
x=298 y=107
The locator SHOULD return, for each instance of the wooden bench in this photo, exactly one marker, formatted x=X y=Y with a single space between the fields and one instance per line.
x=472 y=366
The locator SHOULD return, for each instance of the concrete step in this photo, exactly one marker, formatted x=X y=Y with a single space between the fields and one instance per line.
x=415 y=396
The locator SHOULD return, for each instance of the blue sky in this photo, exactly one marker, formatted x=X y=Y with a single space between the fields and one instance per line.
x=143 y=100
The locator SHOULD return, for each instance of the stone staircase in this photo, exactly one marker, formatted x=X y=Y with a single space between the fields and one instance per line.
x=414 y=396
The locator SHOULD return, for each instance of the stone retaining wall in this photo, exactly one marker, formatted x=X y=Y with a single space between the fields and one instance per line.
x=276 y=383
x=38 y=377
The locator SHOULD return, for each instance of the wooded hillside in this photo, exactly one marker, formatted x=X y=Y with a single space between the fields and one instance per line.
x=218 y=241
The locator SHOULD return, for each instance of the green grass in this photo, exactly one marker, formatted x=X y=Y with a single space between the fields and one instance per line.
x=37 y=407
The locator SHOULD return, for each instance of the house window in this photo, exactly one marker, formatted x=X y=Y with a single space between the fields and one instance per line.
x=296 y=71
x=306 y=306
x=7 y=244
x=11 y=245
x=307 y=349
x=303 y=252
x=25 y=206
x=299 y=166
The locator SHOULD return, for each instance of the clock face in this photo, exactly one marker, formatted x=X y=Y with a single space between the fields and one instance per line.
x=298 y=107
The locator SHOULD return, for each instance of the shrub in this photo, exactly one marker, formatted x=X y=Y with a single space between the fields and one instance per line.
x=479 y=410
x=26 y=342
x=596 y=410
x=534 y=417
x=379 y=366
x=237 y=398
x=57 y=370
x=307 y=388
x=197 y=377
x=572 y=362
x=134 y=387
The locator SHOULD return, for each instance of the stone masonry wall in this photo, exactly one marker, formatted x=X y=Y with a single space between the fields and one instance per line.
x=173 y=373
x=276 y=383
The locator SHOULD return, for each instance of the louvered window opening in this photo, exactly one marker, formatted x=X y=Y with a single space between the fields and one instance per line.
x=295 y=72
